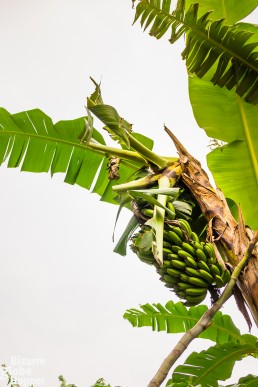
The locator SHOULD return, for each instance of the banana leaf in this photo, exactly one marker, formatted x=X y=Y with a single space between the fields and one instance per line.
x=31 y=141
x=246 y=381
x=208 y=367
x=225 y=116
x=227 y=53
x=177 y=318
x=231 y=10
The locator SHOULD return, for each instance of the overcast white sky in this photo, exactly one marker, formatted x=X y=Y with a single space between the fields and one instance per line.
x=63 y=291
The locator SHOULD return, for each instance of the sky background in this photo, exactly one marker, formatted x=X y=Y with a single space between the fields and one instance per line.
x=63 y=291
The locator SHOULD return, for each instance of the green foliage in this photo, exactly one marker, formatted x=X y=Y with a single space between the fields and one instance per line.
x=101 y=383
x=225 y=116
x=231 y=10
x=247 y=381
x=177 y=318
x=64 y=383
x=30 y=139
x=206 y=368
x=208 y=42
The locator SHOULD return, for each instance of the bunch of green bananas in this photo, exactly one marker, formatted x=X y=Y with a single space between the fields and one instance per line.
x=190 y=267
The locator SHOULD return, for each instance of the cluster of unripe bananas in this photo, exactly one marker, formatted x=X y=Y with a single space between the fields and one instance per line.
x=190 y=267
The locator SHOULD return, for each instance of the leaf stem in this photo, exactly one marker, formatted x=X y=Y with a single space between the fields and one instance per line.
x=122 y=153
x=204 y=322
x=148 y=154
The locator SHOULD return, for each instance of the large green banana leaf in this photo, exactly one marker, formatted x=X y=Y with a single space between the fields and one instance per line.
x=177 y=318
x=30 y=139
x=225 y=52
x=208 y=367
x=231 y=10
x=225 y=116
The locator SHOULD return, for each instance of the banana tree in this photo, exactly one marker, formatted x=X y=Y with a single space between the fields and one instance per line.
x=216 y=53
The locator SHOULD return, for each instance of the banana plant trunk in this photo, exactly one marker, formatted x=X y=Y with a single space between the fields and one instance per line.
x=232 y=238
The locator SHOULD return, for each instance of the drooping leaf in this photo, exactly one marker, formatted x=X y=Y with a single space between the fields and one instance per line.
x=225 y=52
x=121 y=245
x=177 y=318
x=113 y=121
x=225 y=116
x=183 y=209
x=208 y=367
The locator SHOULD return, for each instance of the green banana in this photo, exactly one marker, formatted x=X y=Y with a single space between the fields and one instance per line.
x=187 y=247
x=181 y=294
x=194 y=300
x=172 y=209
x=191 y=262
x=226 y=275
x=173 y=272
x=166 y=263
x=166 y=251
x=214 y=269
x=173 y=256
x=203 y=265
x=145 y=257
x=206 y=276
x=196 y=291
x=178 y=231
x=212 y=261
x=170 y=286
x=185 y=225
x=184 y=277
x=200 y=255
x=184 y=254
x=192 y=272
x=209 y=250
x=221 y=267
x=166 y=236
x=175 y=248
x=147 y=212
x=175 y=238
x=166 y=244
x=197 y=245
x=161 y=271
x=197 y=282
x=183 y=285
x=178 y=264
x=219 y=281
x=169 y=279
x=194 y=236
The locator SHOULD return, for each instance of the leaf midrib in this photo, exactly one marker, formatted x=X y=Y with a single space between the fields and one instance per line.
x=207 y=37
x=41 y=137
x=217 y=327
x=103 y=150
x=223 y=7
x=248 y=137
x=247 y=350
